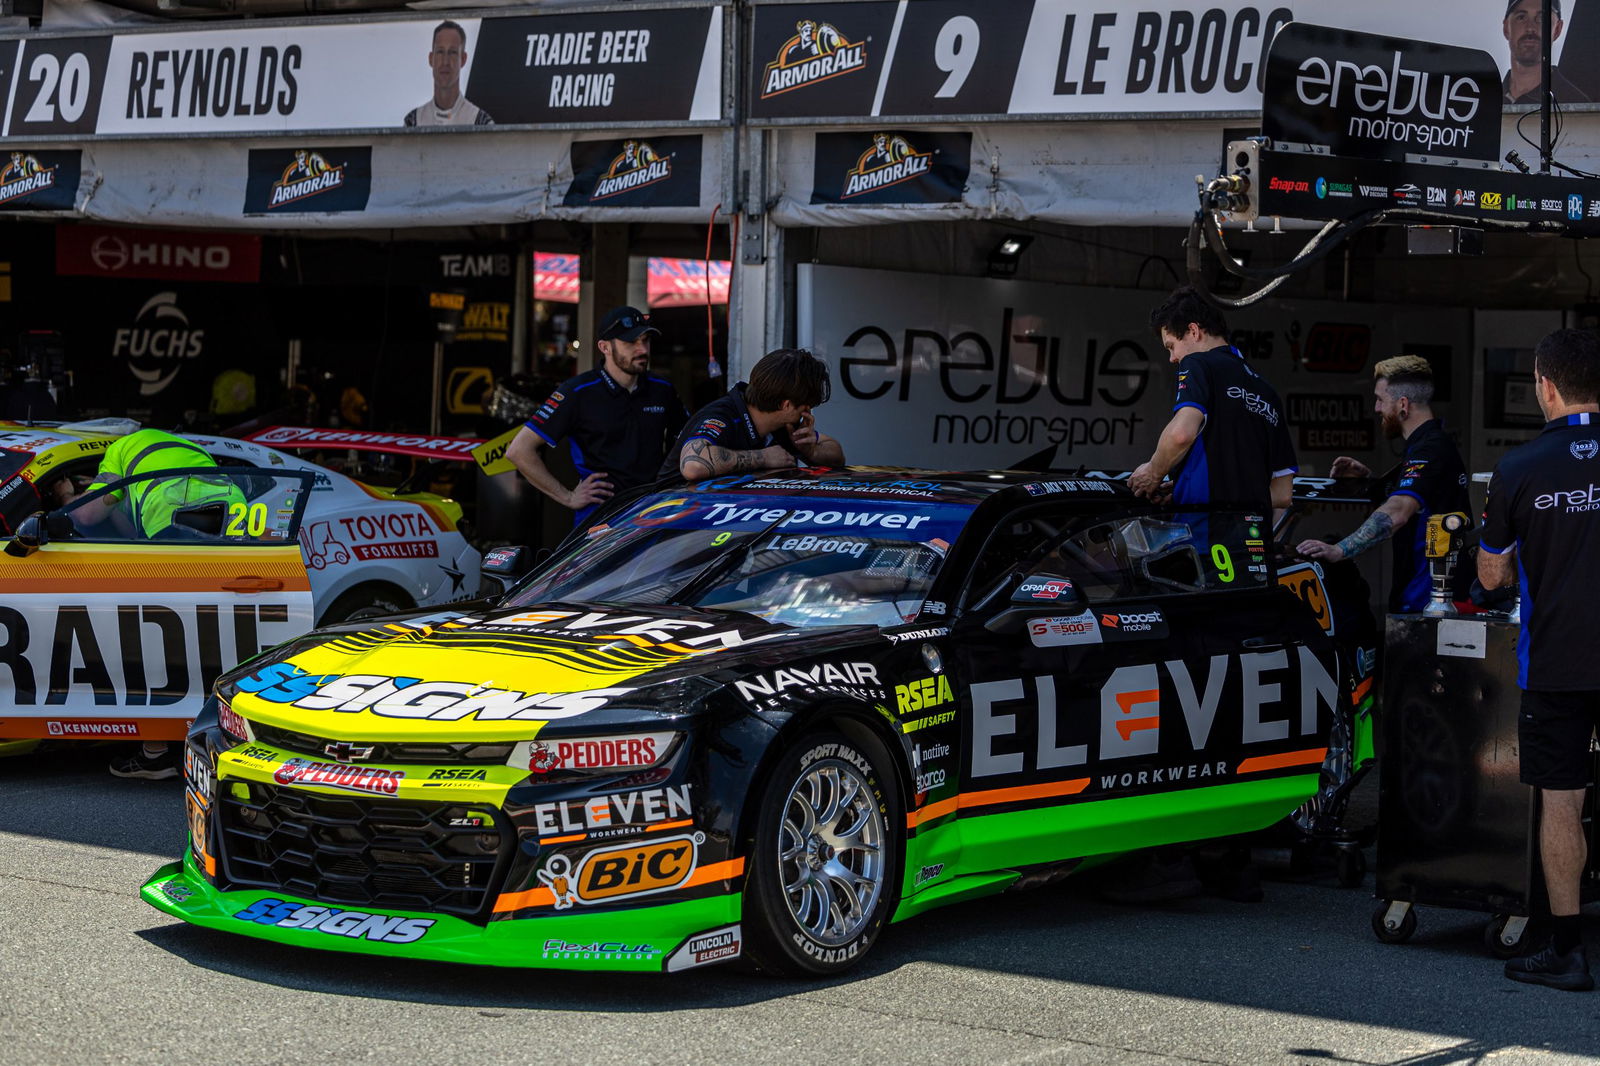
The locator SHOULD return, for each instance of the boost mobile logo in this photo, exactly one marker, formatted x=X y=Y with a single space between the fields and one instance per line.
x=890 y=161
x=24 y=176
x=637 y=166
x=815 y=53
x=307 y=176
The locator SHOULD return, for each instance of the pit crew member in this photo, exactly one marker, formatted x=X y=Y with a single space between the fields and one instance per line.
x=616 y=418
x=1431 y=479
x=763 y=424
x=1543 y=519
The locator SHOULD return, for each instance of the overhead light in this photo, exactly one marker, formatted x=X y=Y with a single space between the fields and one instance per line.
x=1003 y=260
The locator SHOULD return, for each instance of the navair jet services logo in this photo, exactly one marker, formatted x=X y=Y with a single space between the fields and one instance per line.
x=816 y=52
x=309 y=175
x=636 y=166
x=890 y=161
x=24 y=176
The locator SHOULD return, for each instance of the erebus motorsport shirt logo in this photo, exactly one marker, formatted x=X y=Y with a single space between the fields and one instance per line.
x=890 y=161
x=309 y=175
x=23 y=176
x=636 y=166
x=816 y=52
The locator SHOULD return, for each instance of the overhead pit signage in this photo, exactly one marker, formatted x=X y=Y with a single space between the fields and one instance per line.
x=640 y=65
x=635 y=172
x=1022 y=59
x=1372 y=97
x=166 y=255
x=297 y=181
x=39 y=181
x=891 y=167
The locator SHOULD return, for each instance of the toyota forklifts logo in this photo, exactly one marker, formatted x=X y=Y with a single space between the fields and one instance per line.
x=890 y=161
x=817 y=52
x=636 y=166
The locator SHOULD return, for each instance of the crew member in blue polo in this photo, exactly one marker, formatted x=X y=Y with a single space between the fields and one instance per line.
x=1430 y=480
x=616 y=419
x=1227 y=442
x=1541 y=526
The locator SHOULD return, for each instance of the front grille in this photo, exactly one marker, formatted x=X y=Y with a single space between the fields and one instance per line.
x=389 y=751
x=392 y=854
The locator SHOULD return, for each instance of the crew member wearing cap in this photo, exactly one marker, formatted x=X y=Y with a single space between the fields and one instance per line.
x=1522 y=30
x=616 y=420
x=763 y=424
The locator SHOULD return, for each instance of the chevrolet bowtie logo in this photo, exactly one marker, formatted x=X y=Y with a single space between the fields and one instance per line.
x=344 y=751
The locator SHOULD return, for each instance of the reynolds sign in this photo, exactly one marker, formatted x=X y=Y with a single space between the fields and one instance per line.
x=1372 y=97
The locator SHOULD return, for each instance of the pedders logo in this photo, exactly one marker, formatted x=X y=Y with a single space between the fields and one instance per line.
x=333 y=775
x=636 y=166
x=159 y=343
x=890 y=161
x=633 y=752
x=309 y=175
x=23 y=176
x=815 y=53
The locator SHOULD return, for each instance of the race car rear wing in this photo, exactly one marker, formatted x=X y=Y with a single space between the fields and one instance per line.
x=296 y=438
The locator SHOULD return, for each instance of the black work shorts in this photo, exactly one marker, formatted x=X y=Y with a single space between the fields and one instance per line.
x=1553 y=733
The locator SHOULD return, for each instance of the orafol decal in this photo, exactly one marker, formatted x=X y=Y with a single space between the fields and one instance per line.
x=308 y=180
x=817 y=52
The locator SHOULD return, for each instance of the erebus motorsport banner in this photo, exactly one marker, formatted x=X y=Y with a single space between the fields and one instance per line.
x=1091 y=57
x=637 y=65
x=635 y=172
x=1374 y=97
x=891 y=167
x=287 y=181
x=39 y=181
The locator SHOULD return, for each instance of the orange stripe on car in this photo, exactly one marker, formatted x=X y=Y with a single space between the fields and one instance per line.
x=1361 y=691
x=993 y=796
x=1311 y=756
x=543 y=897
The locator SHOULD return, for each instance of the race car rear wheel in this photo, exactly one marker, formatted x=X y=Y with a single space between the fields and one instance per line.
x=365 y=601
x=825 y=863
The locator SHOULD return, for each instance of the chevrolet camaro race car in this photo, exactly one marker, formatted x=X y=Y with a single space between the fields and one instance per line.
x=761 y=717
x=105 y=633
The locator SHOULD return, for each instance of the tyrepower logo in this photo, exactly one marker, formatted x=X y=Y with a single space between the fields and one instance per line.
x=91 y=729
x=636 y=166
x=623 y=870
x=309 y=175
x=817 y=52
x=890 y=161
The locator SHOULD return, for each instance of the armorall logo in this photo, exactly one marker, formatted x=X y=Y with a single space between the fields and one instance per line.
x=638 y=165
x=815 y=53
x=23 y=176
x=890 y=161
x=307 y=176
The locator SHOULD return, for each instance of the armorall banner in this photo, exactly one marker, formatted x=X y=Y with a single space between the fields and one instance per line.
x=1027 y=58
x=639 y=65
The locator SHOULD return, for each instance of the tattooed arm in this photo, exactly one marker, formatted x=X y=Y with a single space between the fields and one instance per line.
x=1379 y=527
x=701 y=459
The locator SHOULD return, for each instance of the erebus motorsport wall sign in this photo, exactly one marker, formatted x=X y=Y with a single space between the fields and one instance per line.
x=891 y=167
x=284 y=181
x=1375 y=97
x=39 y=181
x=635 y=172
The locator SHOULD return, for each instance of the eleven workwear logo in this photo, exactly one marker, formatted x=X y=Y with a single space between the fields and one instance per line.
x=24 y=176
x=636 y=166
x=309 y=175
x=1130 y=713
x=890 y=161
x=817 y=52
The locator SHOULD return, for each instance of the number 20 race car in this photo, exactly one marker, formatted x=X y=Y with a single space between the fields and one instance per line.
x=761 y=717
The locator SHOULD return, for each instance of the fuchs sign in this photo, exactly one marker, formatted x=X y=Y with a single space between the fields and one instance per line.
x=1372 y=97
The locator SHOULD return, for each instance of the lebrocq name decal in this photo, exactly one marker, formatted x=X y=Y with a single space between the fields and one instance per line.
x=1375 y=97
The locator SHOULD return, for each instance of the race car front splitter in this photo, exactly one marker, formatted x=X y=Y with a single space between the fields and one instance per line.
x=673 y=936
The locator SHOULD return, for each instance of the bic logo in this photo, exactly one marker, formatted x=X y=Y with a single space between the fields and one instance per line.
x=636 y=869
x=1130 y=713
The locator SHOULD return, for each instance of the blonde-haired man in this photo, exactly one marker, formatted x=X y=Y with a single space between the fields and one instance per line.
x=1430 y=479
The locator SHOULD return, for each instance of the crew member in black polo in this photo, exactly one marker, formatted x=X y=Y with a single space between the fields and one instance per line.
x=1542 y=525
x=616 y=420
x=765 y=424
x=1430 y=480
x=1227 y=442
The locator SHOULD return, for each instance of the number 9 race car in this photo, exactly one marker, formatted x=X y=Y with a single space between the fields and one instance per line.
x=108 y=633
x=760 y=717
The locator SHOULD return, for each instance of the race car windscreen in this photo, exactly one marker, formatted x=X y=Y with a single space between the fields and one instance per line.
x=795 y=561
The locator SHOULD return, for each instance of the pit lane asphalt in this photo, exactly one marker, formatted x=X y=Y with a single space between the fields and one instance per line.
x=89 y=974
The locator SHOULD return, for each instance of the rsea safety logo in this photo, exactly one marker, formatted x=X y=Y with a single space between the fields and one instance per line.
x=816 y=53
x=636 y=166
x=890 y=161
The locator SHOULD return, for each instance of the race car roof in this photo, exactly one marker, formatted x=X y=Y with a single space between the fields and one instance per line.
x=904 y=483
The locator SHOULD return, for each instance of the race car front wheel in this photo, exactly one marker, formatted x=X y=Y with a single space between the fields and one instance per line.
x=825 y=863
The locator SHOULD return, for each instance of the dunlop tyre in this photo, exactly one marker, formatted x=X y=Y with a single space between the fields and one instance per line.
x=777 y=941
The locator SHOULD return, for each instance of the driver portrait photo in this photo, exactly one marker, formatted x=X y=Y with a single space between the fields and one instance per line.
x=448 y=106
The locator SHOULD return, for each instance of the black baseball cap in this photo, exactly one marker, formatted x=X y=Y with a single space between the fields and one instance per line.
x=1555 y=6
x=625 y=324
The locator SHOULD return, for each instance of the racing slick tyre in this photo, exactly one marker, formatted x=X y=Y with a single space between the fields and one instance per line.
x=825 y=864
x=365 y=601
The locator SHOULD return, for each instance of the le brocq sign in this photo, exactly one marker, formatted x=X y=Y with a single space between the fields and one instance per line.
x=1375 y=97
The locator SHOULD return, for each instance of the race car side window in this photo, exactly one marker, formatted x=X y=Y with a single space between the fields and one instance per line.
x=1161 y=555
x=235 y=507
